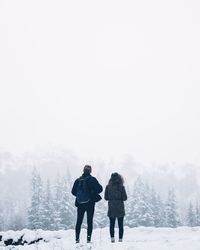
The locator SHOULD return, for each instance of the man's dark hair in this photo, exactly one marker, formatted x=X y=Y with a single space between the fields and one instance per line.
x=87 y=169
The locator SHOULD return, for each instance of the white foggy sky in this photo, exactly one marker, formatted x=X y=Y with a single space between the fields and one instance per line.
x=102 y=78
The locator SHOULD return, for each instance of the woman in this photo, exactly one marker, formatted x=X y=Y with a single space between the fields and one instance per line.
x=115 y=194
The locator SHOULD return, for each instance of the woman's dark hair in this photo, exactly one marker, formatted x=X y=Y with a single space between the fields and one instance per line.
x=116 y=179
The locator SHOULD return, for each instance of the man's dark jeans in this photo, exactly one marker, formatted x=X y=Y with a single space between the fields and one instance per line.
x=120 y=224
x=81 y=209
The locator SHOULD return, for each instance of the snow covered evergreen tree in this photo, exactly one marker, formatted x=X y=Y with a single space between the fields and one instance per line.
x=36 y=210
x=142 y=212
x=172 y=219
x=57 y=199
x=67 y=209
x=197 y=215
x=132 y=211
x=129 y=207
x=191 y=218
x=161 y=219
x=47 y=216
x=100 y=216
x=157 y=208
x=64 y=206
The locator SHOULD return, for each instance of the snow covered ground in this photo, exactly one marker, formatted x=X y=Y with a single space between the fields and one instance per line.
x=182 y=238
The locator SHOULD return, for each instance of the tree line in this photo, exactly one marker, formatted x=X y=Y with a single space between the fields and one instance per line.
x=51 y=207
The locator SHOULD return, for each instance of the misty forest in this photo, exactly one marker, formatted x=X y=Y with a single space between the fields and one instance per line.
x=36 y=191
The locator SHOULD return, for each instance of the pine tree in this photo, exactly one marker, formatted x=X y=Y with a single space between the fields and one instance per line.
x=197 y=215
x=172 y=219
x=100 y=218
x=161 y=221
x=34 y=205
x=36 y=210
x=67 y=210
x=40 y=203
x=191 y=220
x=157 y=207
x=47 y=216
x=129 y=208
x=135 y=206
x=57 y=198
x=142 y=212
x=148 y=209
x=71 y=203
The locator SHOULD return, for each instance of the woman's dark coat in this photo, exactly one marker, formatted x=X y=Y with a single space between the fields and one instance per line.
x=115 y=194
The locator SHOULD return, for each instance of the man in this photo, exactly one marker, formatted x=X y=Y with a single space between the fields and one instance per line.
x=86 y=189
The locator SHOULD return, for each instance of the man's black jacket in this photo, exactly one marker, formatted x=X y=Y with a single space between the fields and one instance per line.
x=93 y=186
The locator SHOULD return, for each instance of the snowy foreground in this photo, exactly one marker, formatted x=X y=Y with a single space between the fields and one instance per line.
x=182 y=238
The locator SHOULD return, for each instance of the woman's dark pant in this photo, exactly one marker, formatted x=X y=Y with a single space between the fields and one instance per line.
x=81 y=209
x=120 y=225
